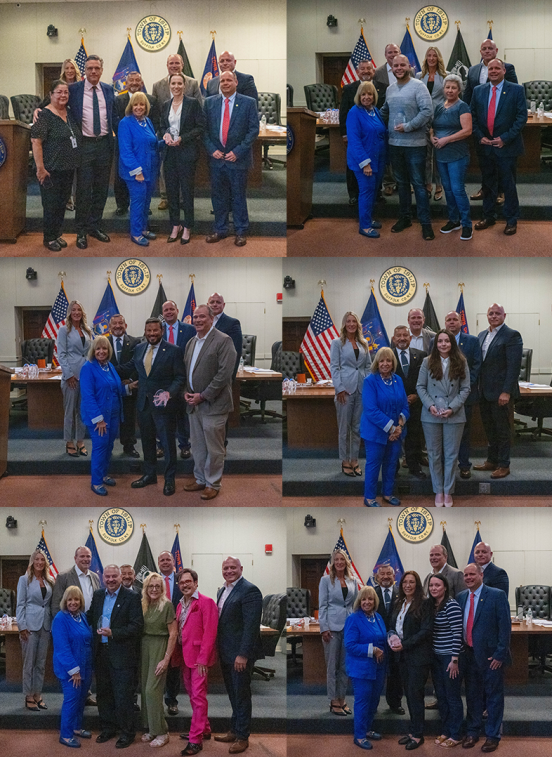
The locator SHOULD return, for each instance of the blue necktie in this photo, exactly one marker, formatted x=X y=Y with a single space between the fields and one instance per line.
x=404 y=363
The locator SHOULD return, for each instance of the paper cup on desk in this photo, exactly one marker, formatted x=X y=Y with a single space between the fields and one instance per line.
x=301 y=378
x=41 y=362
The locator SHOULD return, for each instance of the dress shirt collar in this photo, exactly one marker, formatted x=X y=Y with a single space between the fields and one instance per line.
x=476 y=593
x=232 y=100
x=231 y=585
x=115 y=593
x=201 y=340
x=88 y=87
x=457 y=337
x=483 y=567
x=80 y=573
x=494 y=331
x=195 y=595
x=435 y=572
x=217 y=318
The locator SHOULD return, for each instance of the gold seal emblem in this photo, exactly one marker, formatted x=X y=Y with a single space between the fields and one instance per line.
x=397 y=285
x=153 y=33
x=132 y=276
x=415 y=524
x=115 y=526
x=431 y=23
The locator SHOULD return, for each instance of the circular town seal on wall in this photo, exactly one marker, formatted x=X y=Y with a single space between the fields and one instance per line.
x=132 y=276
x=115 y=526
x=397 y=285
x=415 y=524
x=153 y=33
x=290 y=139
x=431 y=23
x=3 y=152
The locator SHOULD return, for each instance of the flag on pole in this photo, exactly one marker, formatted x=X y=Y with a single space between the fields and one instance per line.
x=96 y=564
x=187 y=67
x=126 y=65
x=190 y=306
x=461 y=310
x=316 y=342
x=490 y=35
x=476 y=541
x=211 y=70
x=361 y=52
x=108 y=307
x=43 y=547
x=343 y=546
x=372 y=326
x=157 y=310
x=389 y=555
x=459 y=61
x=177 y=554
x=81 y=56
x=431 y=320
x=451 y=560
x=144 y=564
x=407 y=48
x=57 y=318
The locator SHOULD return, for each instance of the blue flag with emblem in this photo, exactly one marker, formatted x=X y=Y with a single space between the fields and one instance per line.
x=81 y=56
x=211 y=69
x=476 y=541
x=190 y=306
x=372 y=326
x=407 y=48
x=126 y=65
x=108 y=307
x=96 y=564
x=389 y=555
x=177 y=555
x=461 y=310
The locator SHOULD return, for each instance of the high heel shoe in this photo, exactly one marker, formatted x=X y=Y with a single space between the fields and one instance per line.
x=71 y=452
x=175 y=239
x=183 y=239
x=34 y=708
x=347 y=470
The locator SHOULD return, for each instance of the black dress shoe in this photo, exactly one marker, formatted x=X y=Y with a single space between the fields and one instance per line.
x=418 y=474
x=121 y=211
x=427 y=232
x=105 y=736
x=144 y=481
x=124 y=741
x=401 y=225
x=169 y=488
x=404 y=740
x=240 y=240
x=53 y=246
x=101 y=237
x=465 y=473
x=490 y=745
x=172 y=709
x=62 y=243
x=397 y=710
x=185 y=453
x=412 y=744
x=82 y=242
x=510 y=230
x=131 y=452
x=469 y=742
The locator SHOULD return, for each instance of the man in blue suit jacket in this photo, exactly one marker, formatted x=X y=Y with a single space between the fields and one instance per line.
x=228 y=325
x=231 y=130
x=499 y=113
x=246 y=83
x=92 y=105
x=493 y=576
x=478 y=74
x=486 y=632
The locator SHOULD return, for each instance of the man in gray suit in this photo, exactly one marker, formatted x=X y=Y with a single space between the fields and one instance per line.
x=209 y=362
x=80 y=576
x=438 y=559
x=421 y=337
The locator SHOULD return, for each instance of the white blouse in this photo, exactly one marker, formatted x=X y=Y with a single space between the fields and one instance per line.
x=174 y=117
x=400 y=619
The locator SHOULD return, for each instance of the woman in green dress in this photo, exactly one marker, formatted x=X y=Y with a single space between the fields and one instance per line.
x=158 y=644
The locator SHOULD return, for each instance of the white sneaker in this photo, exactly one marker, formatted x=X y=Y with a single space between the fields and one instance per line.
x=147 y=737
x=160 y=740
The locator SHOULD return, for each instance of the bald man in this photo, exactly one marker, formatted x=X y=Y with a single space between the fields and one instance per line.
x=493 y=576
x=228 y=325
x=246 y=83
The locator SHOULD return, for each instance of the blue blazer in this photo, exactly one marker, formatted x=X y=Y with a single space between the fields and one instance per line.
x=359 y=634
x=492 y=626
x=381 y=404
x=473 y=79
x=232 y=328
x=510 y=118
x=471 y=349
x=239 y=623
x=246 y=86
x=76 y=98
x=364 y=140
x=72 y=645
x=500 y=369
x=242 y=132
x=138 y=148
x=496 y=578
x=98 y=400
x=348 y=372
x=185 y=331
x=167 y=373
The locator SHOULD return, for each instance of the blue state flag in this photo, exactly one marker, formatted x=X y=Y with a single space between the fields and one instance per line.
x=372 y=326
x=388 y=556
x=461 y=310
x=96 y=564
x=407 y=48
x=108 y=307
x=126 y=65
x=190 y=306
x=177 y=555
x=211 y=70
x=81 y=56
x=476 y=541
x=490 y=35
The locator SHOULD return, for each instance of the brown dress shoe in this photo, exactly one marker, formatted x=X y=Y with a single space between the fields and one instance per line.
x=195 y=487
x=487 y=465
x=490 y=745
x=239 y=745
x=501 y=473
x=240 y=241
x=500 y=199
x=510 y=229
x=388 y=190
x=90 y=701
x=163 y=205
x=484 y=224
x=212 y=238
x=477 y=195
x=470 y=741
x=209 y=493
x=465 y=473
x=227 y=738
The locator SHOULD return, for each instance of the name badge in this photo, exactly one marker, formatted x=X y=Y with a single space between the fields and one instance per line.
x=74 y=143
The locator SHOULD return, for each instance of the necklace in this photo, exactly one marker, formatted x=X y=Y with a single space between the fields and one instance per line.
x=76 y=618
x=387 y=381
x=370 y=618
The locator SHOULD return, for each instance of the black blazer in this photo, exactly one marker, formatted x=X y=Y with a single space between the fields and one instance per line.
x=387 y=616
x=496 y=578
x=473 y=79
x=127 y=623
x=347 y=101
x=129 y=343
x=417 y=634
x=121 y=102
x=239 y=629
x=416 y=360
x=501 y=366
x=246 y=86
x=232 y=328
x=167 y=373
x=192 y=126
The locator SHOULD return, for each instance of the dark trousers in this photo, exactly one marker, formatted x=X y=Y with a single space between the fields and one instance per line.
x=464 y=451
x=499 y=171
x=228 y=193
x=394 y=689
x=496 y=422
x=161 y=426
x=127 y=428
x=414 y=681
x=115 y=694
x=408 y=165
x=449 y=699
x=179 y=180
x=238 y=688
x=484 y=690
x=172 y=686
x=352 y=184
x=55 y=193
x=120 y=188
x=414 y=441
x=93 y=183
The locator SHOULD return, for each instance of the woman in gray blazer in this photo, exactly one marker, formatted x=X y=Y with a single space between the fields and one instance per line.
x=34 y=620
x=443 y=387
x=433 y=75
x=73 y=343
x=349 y=366
x=336 y=596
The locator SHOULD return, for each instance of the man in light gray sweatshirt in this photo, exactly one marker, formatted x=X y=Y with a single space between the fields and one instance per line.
x=409 y=111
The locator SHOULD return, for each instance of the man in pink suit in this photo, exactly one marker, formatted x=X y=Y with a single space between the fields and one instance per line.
x=197 y=619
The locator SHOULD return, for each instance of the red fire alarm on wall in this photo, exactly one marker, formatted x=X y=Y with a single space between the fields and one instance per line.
x=279 y=298
x=268 y=549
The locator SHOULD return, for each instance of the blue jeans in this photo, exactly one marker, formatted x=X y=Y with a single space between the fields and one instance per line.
x=409 y=166
x=140 y=197
x=102 y=447
x=367 y=696
x=72 y=708
x=384 y=456
x=449 y=700
x=453 y=175
x=368 y=187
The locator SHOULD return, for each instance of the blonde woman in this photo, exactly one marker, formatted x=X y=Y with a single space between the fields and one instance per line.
x=336 y=595
x=34 y=621
x=349 y=366
x=70 y=71
x=158 y=642
x=433 y=75
x=73 y=343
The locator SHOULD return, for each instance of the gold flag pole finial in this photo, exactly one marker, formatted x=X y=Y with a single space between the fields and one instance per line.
x=108 y=276
x=341 y=522
x=213 y=34
x=177 y=527
x=443 y=523
x=82 y=32
x=461 y=285
x=490 y=22
x=457 y=25
x=90 y=524
x=192 y=276
x=62 y=274
x=129 y=29
x=322 y=284
x=143 y=527
x=180 y=33
x=361 y=21
x=477 y=523
x=390 y=523
x=407 y=20
x=159 y=276
x=372 y=282
x=426 y=286
x=42 y=523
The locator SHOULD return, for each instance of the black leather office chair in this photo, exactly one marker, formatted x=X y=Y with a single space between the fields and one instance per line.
x=37 y=349
x=291 y=364
x=24 y=106
x=249 y=345
x=263 y=391
x=4 y=108
x=289 y=96
x=7 y=602
x=320 y=97
x=538 y=599
x=298 y=606
x=269 y=106
x=274 y=615
x=541 y=91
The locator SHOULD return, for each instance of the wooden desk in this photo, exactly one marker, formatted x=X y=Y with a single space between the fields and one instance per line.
x=314 y=664
x=244 y=377
x=44 y=399
x=14 y=658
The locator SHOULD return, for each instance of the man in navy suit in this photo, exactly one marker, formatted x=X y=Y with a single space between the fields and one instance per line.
x=227 y=324
x=479 y=73
x=240 y=606
x=231 y=130
x=501 y=350
x=388 y=594
x=123 y=348
x=165 y=562
x=499 y=113
x=246 y=83
x=486 y=632
x=160 y=368
x=92 y=105
x=493 y=576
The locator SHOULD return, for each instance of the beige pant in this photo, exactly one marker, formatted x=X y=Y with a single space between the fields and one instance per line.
x=207 y=433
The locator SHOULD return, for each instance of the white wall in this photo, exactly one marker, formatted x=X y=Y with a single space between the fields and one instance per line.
x=522 y=31
x=520 y=539
x=249 y=286
x=522 y=285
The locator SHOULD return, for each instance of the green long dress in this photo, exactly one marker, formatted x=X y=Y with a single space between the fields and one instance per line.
x=154 y=648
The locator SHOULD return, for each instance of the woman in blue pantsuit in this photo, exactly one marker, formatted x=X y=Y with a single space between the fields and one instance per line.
x=384 y=414
x=72 y=637
x=366 y=154
x=138 y=164
x=101 y=408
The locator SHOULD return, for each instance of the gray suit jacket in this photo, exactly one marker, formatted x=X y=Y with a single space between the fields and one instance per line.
x=213 y=371
x=438 y=94
x=33 y=612
x=348 y=372
x=72 y=355
x=162 y=92
x=455 y=392
x=454 y=577
x=333 y=611
x=66 y=579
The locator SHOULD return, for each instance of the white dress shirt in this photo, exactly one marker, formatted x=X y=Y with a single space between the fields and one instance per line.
x=417 y=342
x=484 y=73
x=86 y=587
x=488 y=339
x=400 y=619
x=197 y=349
x=226 y=593
x=216 y=319
x=174 y=117
x=391 y=75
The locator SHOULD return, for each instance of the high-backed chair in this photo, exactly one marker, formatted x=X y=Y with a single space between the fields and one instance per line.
x=274 y=616
x=536 y=408
x=263 y=391
x=24 y=106
x=37 y=349
x=526 y=365
x=7 y=602
x=539 y=91
x=538 y=599
x=291 y=364
x=298 y=606
x=269 y=106
x=320 y=96
x=249 y=344
x=4 y=108
x=289 y=96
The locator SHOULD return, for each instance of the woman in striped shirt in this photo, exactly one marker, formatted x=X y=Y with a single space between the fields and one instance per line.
x=447 y=642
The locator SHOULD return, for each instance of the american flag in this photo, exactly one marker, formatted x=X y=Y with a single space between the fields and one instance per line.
x=57 y=318
x=341 y=545
x=316 y=342
x=44 y=548
x=81 y=56
x=360 y=52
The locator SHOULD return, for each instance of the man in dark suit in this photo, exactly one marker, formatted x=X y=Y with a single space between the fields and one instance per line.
x=123 y=348
x=487 y=631
x=160 y=369
x=246 y=83
x=227 y=324
x=232 y=126
x=479 y=74
x=499 y=113
x=493 y=576
x=116 y=655
x=128 y=578
x=387 y=594
x=438 y=556
x=165 y=561
x=501 y=350
x=92 y=105
x=409 y=362
x=240 y=606
x=365 y=72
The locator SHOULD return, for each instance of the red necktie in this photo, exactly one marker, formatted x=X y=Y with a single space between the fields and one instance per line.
x=171 y=335
x=225 y=121
x=491 y=113
x=469 y=624
x=168 y=583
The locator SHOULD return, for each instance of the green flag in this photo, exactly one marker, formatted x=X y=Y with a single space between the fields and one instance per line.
x=431 y=320
x=157 y=310
x=459 y=62
x=451 y=560
x=182 y=52
x=145 y=564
